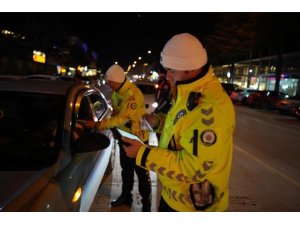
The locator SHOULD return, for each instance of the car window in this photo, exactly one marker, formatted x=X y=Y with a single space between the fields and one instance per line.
x=85 y=112
x=29 y=129
x=238 y=90
x=99 y=105
x=90 y=106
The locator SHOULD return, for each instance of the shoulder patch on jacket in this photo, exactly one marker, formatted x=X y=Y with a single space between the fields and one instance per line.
x=208 y=137
x=133 y=105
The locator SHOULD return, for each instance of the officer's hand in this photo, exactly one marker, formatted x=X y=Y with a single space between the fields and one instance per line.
x=152 y=119
x=133 y=147
x=87 y=124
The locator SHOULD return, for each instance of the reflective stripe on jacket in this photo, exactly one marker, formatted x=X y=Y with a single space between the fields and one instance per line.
x=196 y=144
x=128 y=108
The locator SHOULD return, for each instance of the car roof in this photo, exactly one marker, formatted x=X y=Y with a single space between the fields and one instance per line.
x=37 y=86
x=15 y=77
x=40 y=76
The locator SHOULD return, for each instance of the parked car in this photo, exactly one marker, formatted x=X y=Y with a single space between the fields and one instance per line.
x=148 y=89
x=41 y=76
x=229 y=87
x=48 y=162
x=10 y=77
x=241 y=95
x=288 y=106
x=266 y=99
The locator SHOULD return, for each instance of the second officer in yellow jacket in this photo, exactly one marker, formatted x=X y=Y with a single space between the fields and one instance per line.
x=128 y=108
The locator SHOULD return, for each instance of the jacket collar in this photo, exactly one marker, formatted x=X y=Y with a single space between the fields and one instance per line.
x=199 y=76
x=124 y=87
x=197 y=83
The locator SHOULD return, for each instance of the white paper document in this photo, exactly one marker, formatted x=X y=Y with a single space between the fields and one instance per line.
x=129 y=135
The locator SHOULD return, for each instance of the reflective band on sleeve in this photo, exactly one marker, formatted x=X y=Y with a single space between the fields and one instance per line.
x=144 y=157
x=195 y=143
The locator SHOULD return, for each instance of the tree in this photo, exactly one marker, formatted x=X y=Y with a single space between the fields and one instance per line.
x=245 y=36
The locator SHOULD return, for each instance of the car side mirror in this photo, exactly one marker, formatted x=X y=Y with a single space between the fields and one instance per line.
x=91 y=141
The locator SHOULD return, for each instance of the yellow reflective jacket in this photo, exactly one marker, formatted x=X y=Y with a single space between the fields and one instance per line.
x=128 y=108
x=196 y=143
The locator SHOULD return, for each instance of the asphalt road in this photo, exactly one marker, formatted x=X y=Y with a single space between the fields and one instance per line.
x=265 y=170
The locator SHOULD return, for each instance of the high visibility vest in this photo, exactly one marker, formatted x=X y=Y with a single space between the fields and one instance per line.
x=196 y=144
x=128 y=108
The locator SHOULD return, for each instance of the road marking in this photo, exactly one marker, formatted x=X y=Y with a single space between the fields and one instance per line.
x=284 y=176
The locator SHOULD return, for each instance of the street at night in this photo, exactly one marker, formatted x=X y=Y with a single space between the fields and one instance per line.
x=265 y=174
x=223 y=88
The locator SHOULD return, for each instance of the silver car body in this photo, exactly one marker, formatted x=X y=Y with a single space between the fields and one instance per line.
x=70 y=183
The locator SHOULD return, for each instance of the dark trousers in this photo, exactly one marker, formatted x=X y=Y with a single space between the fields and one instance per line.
x=164 y=207
x=128 y=167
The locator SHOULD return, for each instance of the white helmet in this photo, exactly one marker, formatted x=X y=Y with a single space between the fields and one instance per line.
x=183 y=52
x=115 y=73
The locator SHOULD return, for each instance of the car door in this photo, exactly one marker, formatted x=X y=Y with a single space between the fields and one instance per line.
x=93 y=106
x=75 y=184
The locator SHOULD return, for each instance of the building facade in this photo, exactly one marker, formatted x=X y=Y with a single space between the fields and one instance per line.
x=260 y=73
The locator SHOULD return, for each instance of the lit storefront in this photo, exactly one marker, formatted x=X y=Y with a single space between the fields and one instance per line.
x=260 y=74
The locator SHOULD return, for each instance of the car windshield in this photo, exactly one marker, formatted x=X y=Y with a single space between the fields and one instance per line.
x=29 y=129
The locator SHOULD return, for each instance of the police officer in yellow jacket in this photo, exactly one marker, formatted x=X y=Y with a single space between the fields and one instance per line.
x=193 y=159
x=128 y=108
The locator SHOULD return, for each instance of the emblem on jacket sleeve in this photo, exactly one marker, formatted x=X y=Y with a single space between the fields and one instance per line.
x=180 y=114
x=208 y=137
x=133 y=105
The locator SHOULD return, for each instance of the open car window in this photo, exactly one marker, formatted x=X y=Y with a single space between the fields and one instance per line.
x=29 y=130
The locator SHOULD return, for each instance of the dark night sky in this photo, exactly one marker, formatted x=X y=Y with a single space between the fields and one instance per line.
x=124 y=36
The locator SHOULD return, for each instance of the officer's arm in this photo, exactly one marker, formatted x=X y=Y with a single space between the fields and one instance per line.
x=117 y=119
x=198 y=157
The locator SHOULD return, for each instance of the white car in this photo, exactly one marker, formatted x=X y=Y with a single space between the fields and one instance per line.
x=48 y=162
x=241 y=95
